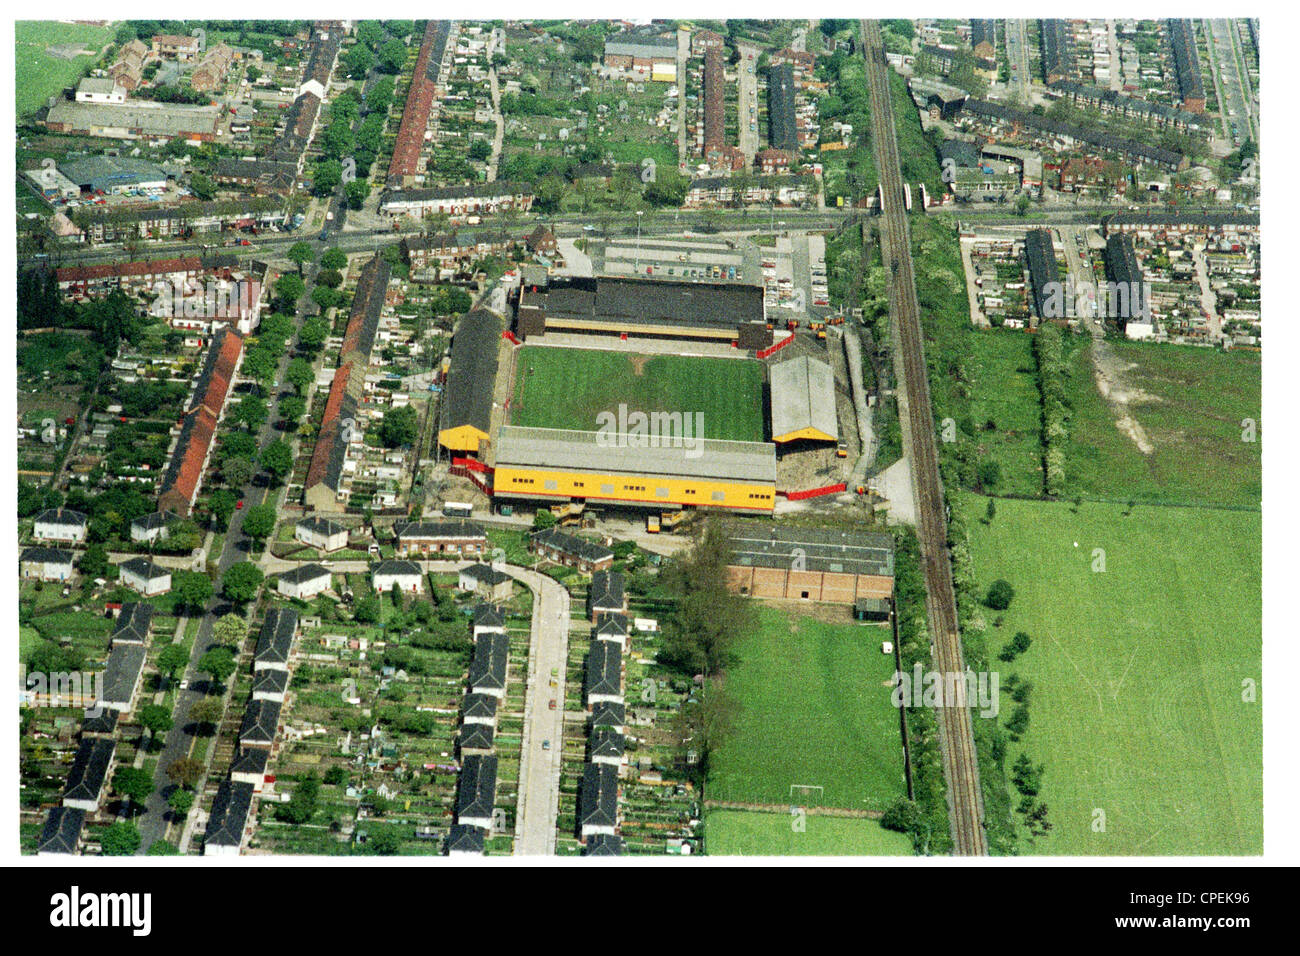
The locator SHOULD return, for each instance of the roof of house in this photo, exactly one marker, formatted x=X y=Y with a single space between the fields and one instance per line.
x=604 y=844
x=145 y=568
x=304 y=573
x=89 y=768
x=476 y=788
x=485 y=574
x=367 y=307
x=771 y=545
x=275 y=640
x=269 y=681
x=606 y=742
x=610 y=628
x=155 y=519
x=715 y=92
x=803 y=397
x=598 y=796
x=395 y=568
x=132 y=625
x=45 y=555
x=330 y=452
x=250 y=759
x=487 y=668
x=615 y=619
x=261 y=721
x=65 y=517
x=104 y=722
x=211 y=388
x=451 y=529
x=122 y=672
x=608 y=713
x=675 y=455
x=571 y=544
x=782 y=132
x=488 y=616
x=471 y=378
x=62 y=830
x=480 y=705
x=318 y=525
x=475 y=736
x=229 y=814
x=464 y=839
x=606 y=590
x=1043 y=268
x=604 y=672
x=1186 y=62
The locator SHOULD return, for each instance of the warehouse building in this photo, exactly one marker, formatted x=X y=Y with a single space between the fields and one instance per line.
x=135 y=119
x=1044 y=273
x=548 y=464
x=113 y=174
x=810 y=564
x=617 y=305
x=466 y=411
x=803 y=401
x=634 y=51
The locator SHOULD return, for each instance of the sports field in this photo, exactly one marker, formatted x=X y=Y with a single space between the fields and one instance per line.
x=37 y=75
x=571 y=388
x=813 y=710
x=1137 y=706
x=750 y=833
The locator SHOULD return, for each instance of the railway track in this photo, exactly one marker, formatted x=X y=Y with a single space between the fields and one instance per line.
x=961 y=770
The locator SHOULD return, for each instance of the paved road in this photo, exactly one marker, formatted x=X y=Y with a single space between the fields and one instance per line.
x=1018 y=57
x=747 y=100
x=539 y=767
x=1232 y=80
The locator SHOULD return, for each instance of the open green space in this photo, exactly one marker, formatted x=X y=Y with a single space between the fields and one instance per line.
x=1191 y=404
x=37 y=75
x=572 y=388
x=1138 y=671
x=812 y=708
x=750 y=833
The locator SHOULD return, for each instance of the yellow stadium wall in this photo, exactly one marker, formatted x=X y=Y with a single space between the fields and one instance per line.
x=639 y=489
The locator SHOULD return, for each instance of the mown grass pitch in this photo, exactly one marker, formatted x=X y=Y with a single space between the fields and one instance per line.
x=37 y=75
x=751 y=833
x=812 y=708
x=1137 y=706
x=570 y=388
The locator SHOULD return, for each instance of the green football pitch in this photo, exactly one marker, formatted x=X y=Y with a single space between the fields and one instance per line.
x=1145 y=665
x=750 y=833
x=574 y=388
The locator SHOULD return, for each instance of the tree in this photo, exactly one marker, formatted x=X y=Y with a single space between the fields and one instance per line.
x=392 y=56
x=543 y=519
x=202 y=187
x=259 y=522
x=1000 y=595
x=902 y=816
x=327 y=177
x=292 y=409
x=221 y=505
x=217 y=662
x=120 y=839
x=290 y=287
x=989 y=474
x=238 y=471
x=135 y=783
x=301 y=253
x=277 y=459
x=367 y=610
x=229 y=629
x=172 y=660
x=180 y=801
x=193 y=590
x=300 y=374
x=325 y=298
x=187 y=771
x=94 y=561
x=990 y=512
x=251 y=412
x=206 y=714
x=399 y=427
x=384 y=843
x=313 y=333
x=333 y=258
x=330 y=278
x=357 y=192
x=156 y=718
x=241 y=581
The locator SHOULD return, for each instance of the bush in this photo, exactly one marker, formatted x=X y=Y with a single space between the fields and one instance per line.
x=1000 y=595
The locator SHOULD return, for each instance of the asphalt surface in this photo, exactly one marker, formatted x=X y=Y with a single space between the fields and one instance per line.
x=747 y=100
x=1233 y=79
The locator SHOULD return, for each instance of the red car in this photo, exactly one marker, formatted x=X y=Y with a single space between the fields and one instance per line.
x=239 y=504
x=552 y=704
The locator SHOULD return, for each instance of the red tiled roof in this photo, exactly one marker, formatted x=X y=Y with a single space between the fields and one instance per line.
x=124 y=269
x=330 y=430
x=415 y=115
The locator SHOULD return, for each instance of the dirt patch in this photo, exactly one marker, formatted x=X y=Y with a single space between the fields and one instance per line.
x=638 y=364
x=1110 y=373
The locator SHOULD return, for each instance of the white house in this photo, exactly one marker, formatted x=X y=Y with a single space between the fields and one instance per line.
x=95 y=89
x=60 y=524
x=153 y=527
x=45 y=564
x=321 y=533
x=145 y=577
x=304 y=582
x=405 y=574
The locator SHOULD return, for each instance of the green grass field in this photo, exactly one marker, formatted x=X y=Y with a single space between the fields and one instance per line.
x=813 y=709
x=1004 y=390
x=1137 y=705
x=1198 y=399
x=749 y=833
x=570 y=388
x=37 y=75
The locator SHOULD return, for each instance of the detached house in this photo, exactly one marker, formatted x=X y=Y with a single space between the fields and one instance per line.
x=464 y=840
x=487 y=668
x=321 y=533
x=487 y=582
x=571 y=551
x=228 y=821
x=405 y=574
x=275 y=640
x=89 y=771
x=304 y=582
x=606 y=594
x=456 y=537
x=145 y=577
x=152 y=527
x=476 y=792
x=598 y=801
x=45 y=564
x=61 y=835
